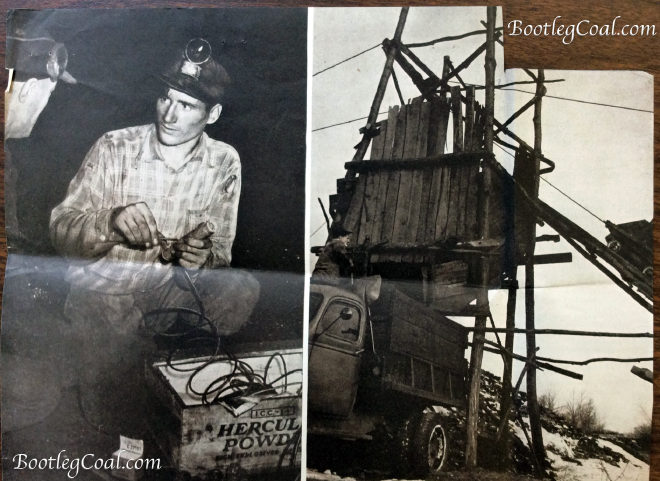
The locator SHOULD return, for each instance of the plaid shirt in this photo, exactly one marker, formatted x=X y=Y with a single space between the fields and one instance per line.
x=124 y=167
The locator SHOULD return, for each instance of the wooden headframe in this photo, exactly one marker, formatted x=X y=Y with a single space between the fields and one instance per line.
x=413 y=203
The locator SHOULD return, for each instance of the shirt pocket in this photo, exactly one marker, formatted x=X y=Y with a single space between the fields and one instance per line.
x=194 y=217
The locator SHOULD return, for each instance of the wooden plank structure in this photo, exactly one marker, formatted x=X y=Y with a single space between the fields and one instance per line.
x=410 y=193
x=412 y=201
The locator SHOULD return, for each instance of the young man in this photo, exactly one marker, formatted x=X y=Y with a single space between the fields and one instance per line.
x=137 y=189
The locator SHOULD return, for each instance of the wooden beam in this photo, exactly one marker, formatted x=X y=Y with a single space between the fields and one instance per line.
x=416 y=60
x=448 y=39
x=564 y=332
x=530 y=308
x=476 y=354
x=465 y=63
x=506 y=398
x=521 y=110
x=380 y=93
x=645 y=374
x=536 y=362
x=460 y=158
x=524 y=145
x=426 y=88
x=631 y=292
x=596 y=359
x=397 y=88
x=561 y=258
x=510 y=84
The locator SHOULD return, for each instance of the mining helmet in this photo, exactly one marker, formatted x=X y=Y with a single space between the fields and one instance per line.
x=37 y=58
x=196 y=73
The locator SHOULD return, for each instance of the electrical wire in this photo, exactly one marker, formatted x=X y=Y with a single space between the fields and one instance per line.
x=556 y=188
x=241 y=380
x=346 y=60
x=509 y=90
x=343 y=123
x=581 y=101
x=317 y=230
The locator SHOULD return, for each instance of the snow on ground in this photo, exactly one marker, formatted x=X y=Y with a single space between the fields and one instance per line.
x=567 y=468
x=313 y=475
x=561 y=445
x=597 y=470
x=560 y=451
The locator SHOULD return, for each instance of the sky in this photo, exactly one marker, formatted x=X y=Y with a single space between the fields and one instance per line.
x=604 y=162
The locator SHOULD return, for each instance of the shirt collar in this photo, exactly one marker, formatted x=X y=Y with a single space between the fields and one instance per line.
x=149 y=151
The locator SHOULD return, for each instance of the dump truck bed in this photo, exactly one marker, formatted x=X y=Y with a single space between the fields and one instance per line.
x=423 y=352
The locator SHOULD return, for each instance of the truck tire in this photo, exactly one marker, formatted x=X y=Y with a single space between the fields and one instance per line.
x=399 y=451
x=429 y=445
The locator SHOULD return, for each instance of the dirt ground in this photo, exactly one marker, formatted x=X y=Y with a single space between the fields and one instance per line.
x=480 y=475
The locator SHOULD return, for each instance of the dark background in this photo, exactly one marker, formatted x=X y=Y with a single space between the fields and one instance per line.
x=114 y=56
x=604 y=53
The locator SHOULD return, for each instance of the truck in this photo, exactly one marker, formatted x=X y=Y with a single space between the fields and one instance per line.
x=381 y=366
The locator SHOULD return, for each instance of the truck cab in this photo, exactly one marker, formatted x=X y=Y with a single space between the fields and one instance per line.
x=336 y=340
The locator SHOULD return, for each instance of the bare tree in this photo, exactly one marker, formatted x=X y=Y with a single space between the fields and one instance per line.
x=580 y=412
x=548 y=401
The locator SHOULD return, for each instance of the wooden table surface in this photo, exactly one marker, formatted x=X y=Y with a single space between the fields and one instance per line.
x=584 y=53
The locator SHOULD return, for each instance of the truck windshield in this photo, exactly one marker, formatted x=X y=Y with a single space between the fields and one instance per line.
x=315 y=301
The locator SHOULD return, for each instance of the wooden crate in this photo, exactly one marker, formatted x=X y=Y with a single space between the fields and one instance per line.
x=210 y=441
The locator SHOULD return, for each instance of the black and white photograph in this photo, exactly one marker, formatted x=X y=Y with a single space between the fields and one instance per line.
x=482 y=256
x=152 y=324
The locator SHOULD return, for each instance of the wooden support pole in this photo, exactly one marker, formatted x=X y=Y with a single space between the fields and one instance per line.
x=532 y=399
x=521 y=110
x=507 y=394
x=398 y=89
x=524 y=145
x=565 y=332
x=414 y=75
x=508 y=356
x=416 y=60
x=466 y=63
x=477 y=351
x=448 y=39
x=531 y=74
x=644 y=373
x=510 y=84
x=458 y=77
x=380 y=93
x=504 y=418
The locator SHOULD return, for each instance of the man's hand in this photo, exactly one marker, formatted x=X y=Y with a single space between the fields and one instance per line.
x=137 y=224
x=193 y=253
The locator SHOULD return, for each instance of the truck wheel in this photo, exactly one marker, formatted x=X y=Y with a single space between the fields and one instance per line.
x=402 y=445
x=429 y=446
